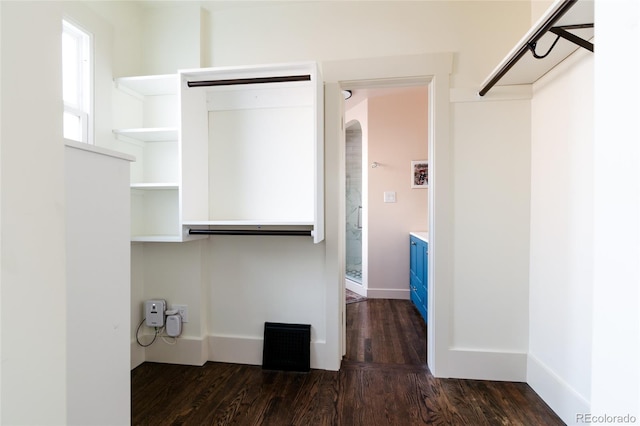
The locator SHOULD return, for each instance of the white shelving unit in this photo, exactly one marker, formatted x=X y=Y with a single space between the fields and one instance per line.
x=250 y=139
x=148 y=127
x=160 y=134
x=253 y=144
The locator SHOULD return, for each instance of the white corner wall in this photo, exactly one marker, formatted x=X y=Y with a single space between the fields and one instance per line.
x=98 y=286
x=33 y=217
x=615 y=378
x=176 y=272
x=170 y=37
x=491 y=236
x=562 y=245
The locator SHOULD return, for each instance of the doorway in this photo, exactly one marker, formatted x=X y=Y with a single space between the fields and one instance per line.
x=386 y=129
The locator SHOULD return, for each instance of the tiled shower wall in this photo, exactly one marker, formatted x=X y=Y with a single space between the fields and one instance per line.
x=354 y=212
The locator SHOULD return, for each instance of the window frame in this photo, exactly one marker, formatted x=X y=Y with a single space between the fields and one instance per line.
x=82 y=106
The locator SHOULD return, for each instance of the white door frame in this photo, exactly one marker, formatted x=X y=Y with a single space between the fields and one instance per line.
x=433 y=70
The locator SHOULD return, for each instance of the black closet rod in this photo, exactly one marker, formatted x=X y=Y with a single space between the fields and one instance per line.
x=550 y=22
x=248 y=232
x=253 y=80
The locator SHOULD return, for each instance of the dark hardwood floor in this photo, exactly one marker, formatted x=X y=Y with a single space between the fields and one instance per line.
x=383 y=381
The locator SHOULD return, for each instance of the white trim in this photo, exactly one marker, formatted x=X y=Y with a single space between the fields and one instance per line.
x=497 y=93
x=558 y=394
x=486 y=365
x=137 y=354
x=355 y=287
x=85 y=86
x=98 y=150
x=388 y=293
x=433 y=70
x=186 y=351
x=248 y=350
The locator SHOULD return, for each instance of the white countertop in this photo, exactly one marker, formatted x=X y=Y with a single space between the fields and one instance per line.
x=423 y=235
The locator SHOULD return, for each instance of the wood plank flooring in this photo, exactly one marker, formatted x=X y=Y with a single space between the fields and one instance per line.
x=383 y=381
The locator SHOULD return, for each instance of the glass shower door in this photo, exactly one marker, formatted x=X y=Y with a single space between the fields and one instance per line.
x=353 y=203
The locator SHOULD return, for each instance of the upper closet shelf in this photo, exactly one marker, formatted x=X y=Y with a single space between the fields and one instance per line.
x=565 y=27
x=157 y=134
x=149 y=85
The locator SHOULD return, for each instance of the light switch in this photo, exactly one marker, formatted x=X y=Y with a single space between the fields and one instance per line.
x=390 y=197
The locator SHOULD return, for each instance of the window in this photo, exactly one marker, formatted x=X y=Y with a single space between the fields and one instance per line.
x=76 y=83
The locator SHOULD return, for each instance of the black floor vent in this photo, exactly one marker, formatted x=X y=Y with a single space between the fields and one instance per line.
x=286 y=347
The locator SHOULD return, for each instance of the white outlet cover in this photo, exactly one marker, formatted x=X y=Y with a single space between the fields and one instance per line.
x=390 y=197
x=183 y=311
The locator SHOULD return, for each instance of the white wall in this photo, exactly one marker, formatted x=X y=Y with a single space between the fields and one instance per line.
x=266 y=32
x=258 y=279
x=560 y=297
x=178 y=274
x=35 y=348
x=285 y=32
x=171 y=37
x=125 y=19
x=102 y=38
x=32 y=164
x=615 y=378
x=33 y=217
x=397 y=134
x=491 y=221
x=98 y=287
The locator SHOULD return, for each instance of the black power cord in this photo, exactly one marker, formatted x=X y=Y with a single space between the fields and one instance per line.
x=138 y=331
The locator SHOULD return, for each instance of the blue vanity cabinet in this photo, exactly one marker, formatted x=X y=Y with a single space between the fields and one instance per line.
x=418 y=253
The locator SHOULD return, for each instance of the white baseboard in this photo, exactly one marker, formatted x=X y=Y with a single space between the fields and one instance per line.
x=355 y=287
x=248 y=350
x=137 y=354
x=230 y=349
x=388 y=293
x=557 y=393
x=484 y=365
x=186 y=351
x=235 y=349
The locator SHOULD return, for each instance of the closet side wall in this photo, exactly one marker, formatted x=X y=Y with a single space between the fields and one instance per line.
x=560 y=294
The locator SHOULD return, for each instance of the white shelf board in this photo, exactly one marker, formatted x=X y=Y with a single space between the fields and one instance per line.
x=99 y=150
x=529 y=69
x=155 y=134
x=166 y=84
x=244 y=223
x=154 y=186
x=157 y=238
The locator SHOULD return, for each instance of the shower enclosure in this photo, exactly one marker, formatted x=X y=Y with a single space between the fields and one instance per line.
x=353 y=192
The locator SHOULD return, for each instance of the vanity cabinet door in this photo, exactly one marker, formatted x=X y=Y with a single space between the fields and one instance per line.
x=417 y=266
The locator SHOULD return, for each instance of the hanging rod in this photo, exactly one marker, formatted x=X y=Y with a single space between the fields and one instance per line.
x=249 y=232
x=253 y=80
x=546 y=26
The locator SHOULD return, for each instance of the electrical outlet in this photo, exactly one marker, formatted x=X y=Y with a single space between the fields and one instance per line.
x=183 y=311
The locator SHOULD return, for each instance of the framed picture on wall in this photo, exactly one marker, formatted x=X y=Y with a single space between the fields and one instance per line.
x=419 y=174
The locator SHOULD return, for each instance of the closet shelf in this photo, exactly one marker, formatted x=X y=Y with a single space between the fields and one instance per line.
x=157 y=238
x=156 y=134
x=154 y=85
x=252 y=223
x=565 y=27
x=154 y=186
